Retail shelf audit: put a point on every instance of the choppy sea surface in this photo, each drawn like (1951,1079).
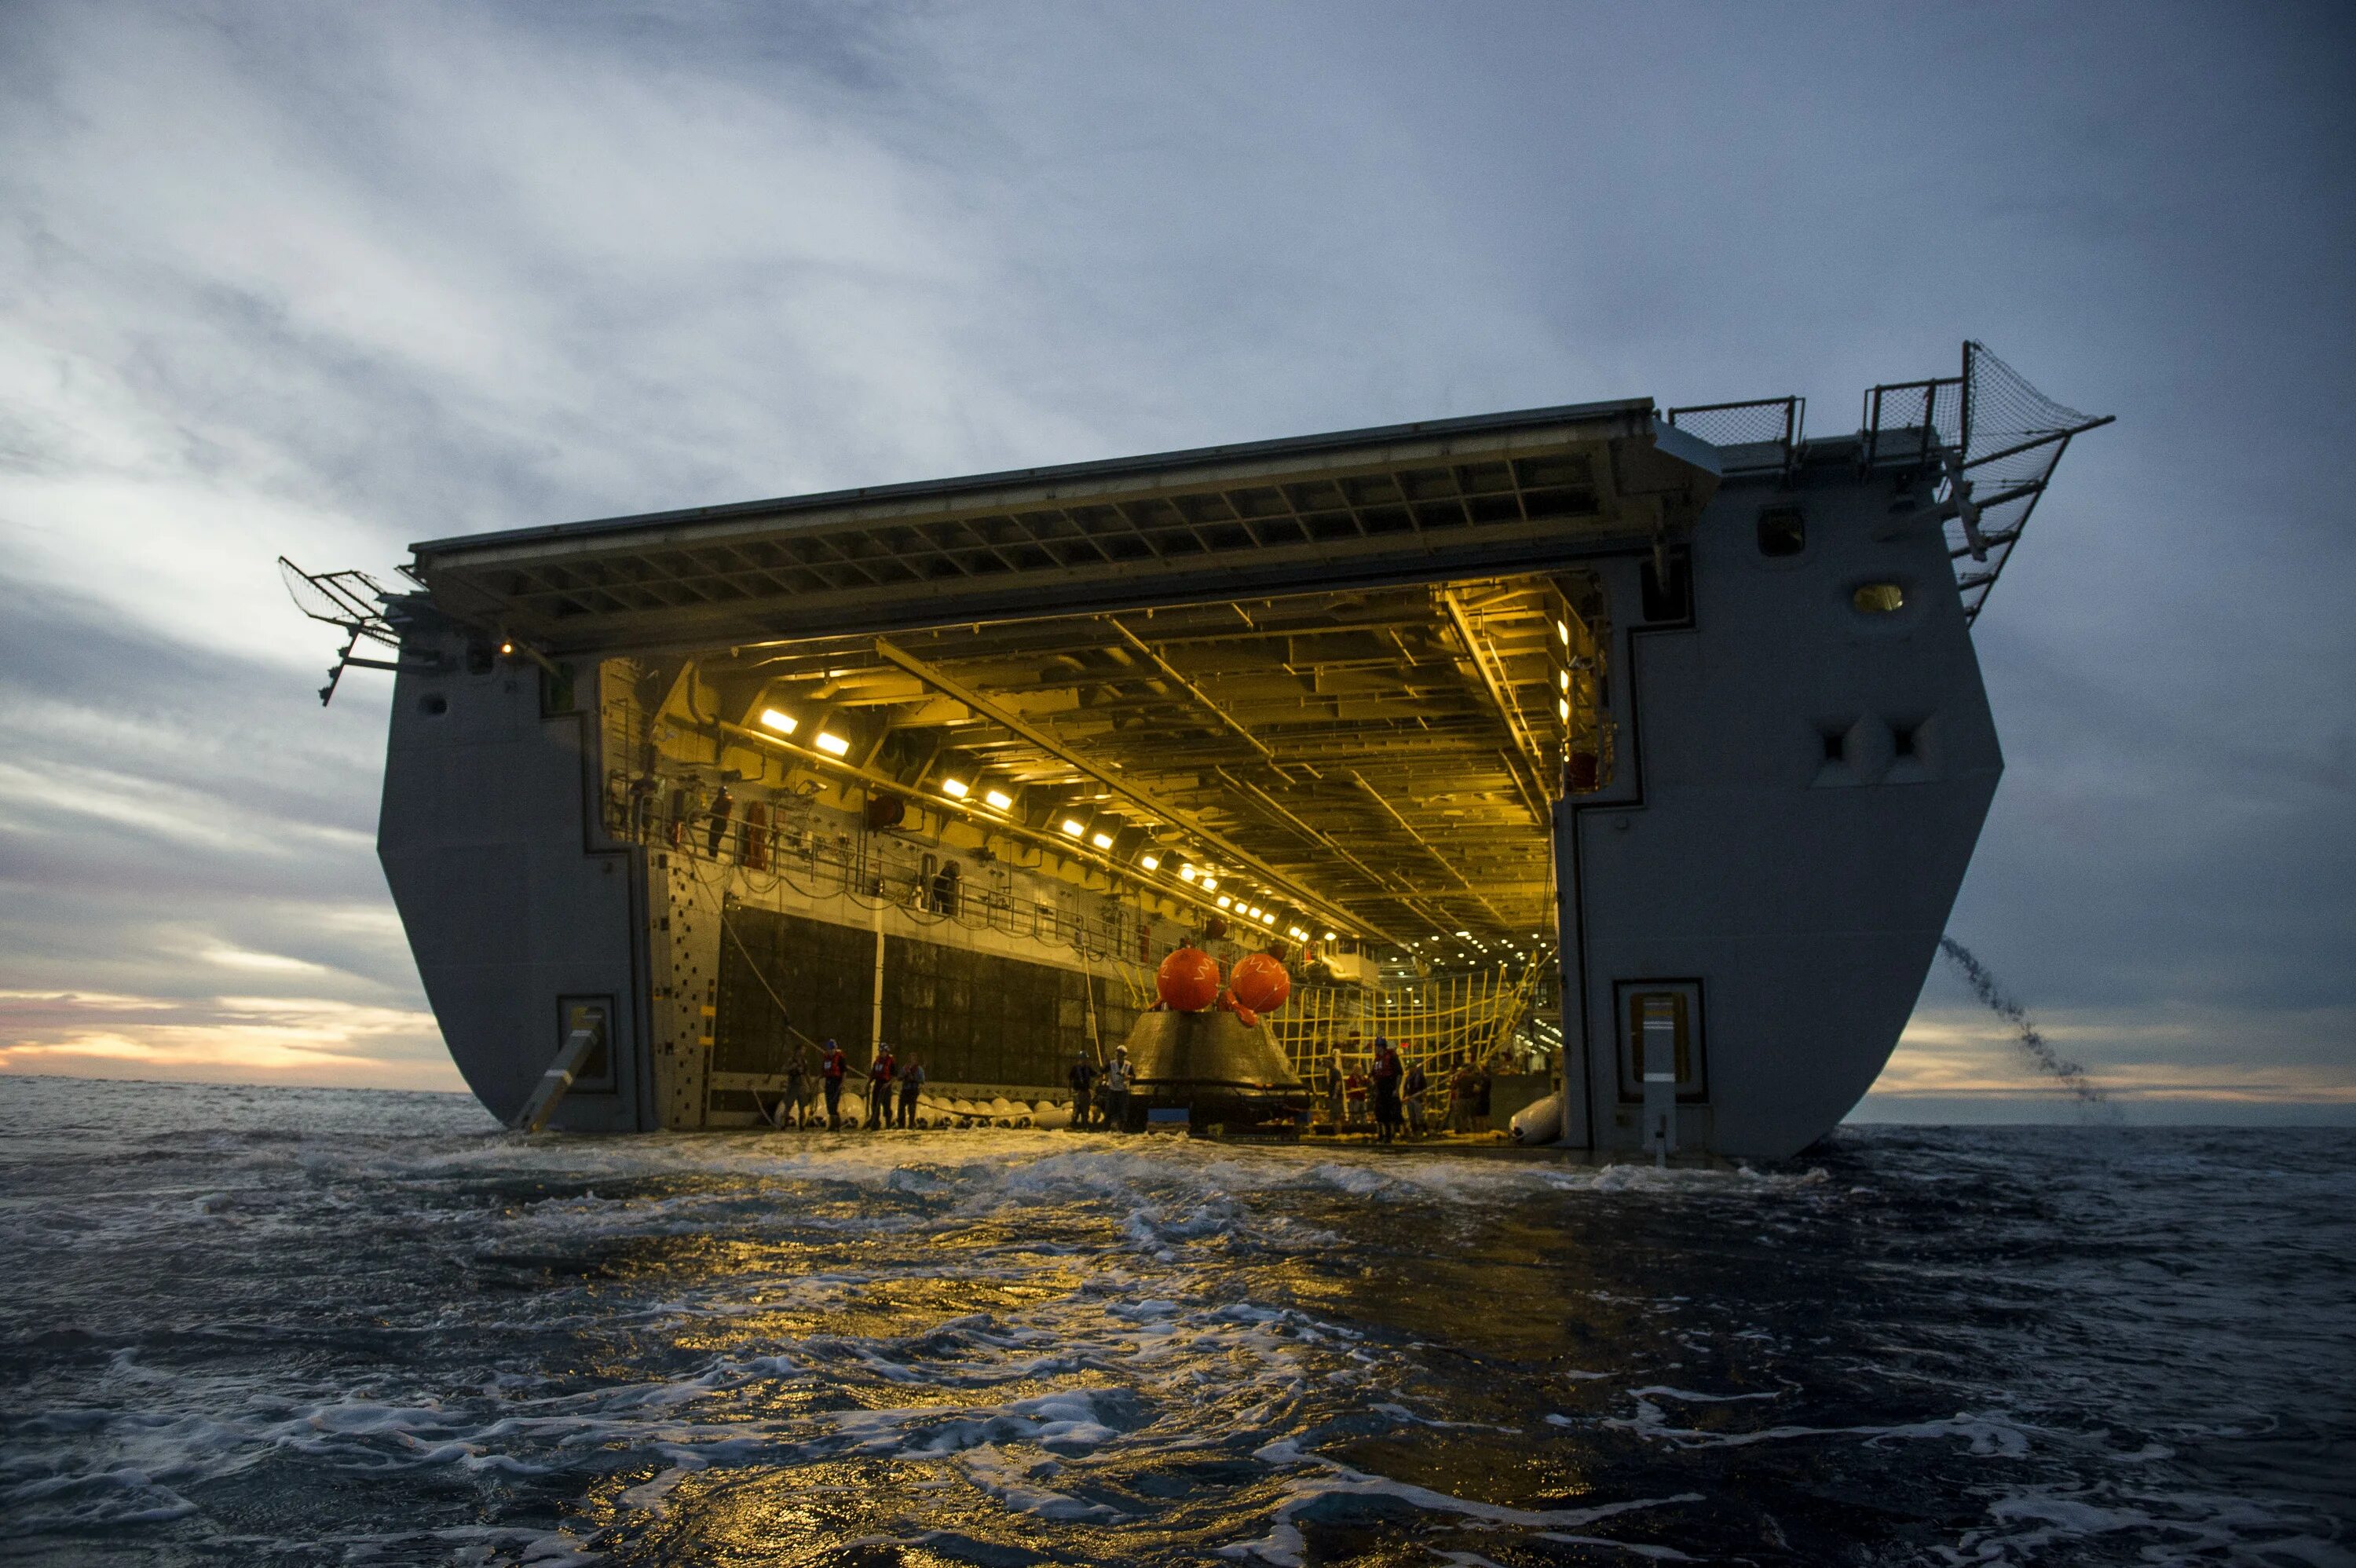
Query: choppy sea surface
(268,1326)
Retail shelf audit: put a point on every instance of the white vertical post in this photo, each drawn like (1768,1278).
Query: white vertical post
(1660,1064)
(875,1019)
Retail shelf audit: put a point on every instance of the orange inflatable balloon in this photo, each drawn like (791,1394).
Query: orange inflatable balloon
(1261,984)
(1188,980)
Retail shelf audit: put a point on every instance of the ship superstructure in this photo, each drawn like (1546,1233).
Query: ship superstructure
(1665,722)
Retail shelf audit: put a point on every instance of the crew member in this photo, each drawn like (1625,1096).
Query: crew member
(1386,1075)
(1116,1086)
(832,1065)
(1083,1080)
(797,1090)
(912,1083)
(880,1073)
(1412,1087)
(1460,1098)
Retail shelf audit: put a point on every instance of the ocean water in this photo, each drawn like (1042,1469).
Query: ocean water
(259,1326)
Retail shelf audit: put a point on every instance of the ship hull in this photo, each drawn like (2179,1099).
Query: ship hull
(1796,756)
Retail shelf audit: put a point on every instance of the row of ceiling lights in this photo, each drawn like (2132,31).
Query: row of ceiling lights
(1440,940)
(998,800)
(835,746)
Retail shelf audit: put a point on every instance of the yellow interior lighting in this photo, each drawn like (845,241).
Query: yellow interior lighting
(998,800)
(783,724)
(833,745)
(1102,840)
(1072,826)
(953,788)
(1150,862)
(1185,873)
(1225,901)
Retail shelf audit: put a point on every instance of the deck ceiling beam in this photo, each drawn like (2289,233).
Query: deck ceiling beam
(1490,683)
(1202,699)
(1007,718)
(1444,862)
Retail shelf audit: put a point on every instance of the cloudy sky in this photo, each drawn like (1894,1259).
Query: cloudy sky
(326,280)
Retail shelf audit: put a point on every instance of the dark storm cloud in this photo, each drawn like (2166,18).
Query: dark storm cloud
(329,280)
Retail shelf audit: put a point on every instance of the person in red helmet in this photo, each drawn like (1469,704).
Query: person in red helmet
(833,1066)
(880,1074)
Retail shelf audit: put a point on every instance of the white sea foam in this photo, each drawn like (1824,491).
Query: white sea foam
(1330,1483)
(1985,1433)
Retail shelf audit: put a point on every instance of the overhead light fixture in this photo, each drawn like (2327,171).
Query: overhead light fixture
(1331,937)
(1150,862)
(1073,827)
(953,788)
(783,724)
(1463,934)
(506,648)
(833,745)
(1102,840)
(1210,884)
(1562,629)
(1225,901)
(1562,706)
(1185,873)
(998,800)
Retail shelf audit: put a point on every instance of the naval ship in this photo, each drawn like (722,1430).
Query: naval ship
(1645,744)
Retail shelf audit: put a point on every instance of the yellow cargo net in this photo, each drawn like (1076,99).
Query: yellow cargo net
(1440,1022)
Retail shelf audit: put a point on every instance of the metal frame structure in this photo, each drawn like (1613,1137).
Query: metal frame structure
(1992,440)
(1423,502)
(1309,666)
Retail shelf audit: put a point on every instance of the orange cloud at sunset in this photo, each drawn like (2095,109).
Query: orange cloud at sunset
(278,1040)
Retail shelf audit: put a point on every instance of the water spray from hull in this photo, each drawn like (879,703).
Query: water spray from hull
(2026,1034)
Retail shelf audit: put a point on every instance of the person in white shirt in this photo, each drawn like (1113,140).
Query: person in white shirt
(1116,1089)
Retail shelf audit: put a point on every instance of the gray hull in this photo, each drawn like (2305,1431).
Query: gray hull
(1771,855)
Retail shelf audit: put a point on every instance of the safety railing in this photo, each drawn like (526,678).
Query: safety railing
(766,849)
(1990,442)
(1756,434)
